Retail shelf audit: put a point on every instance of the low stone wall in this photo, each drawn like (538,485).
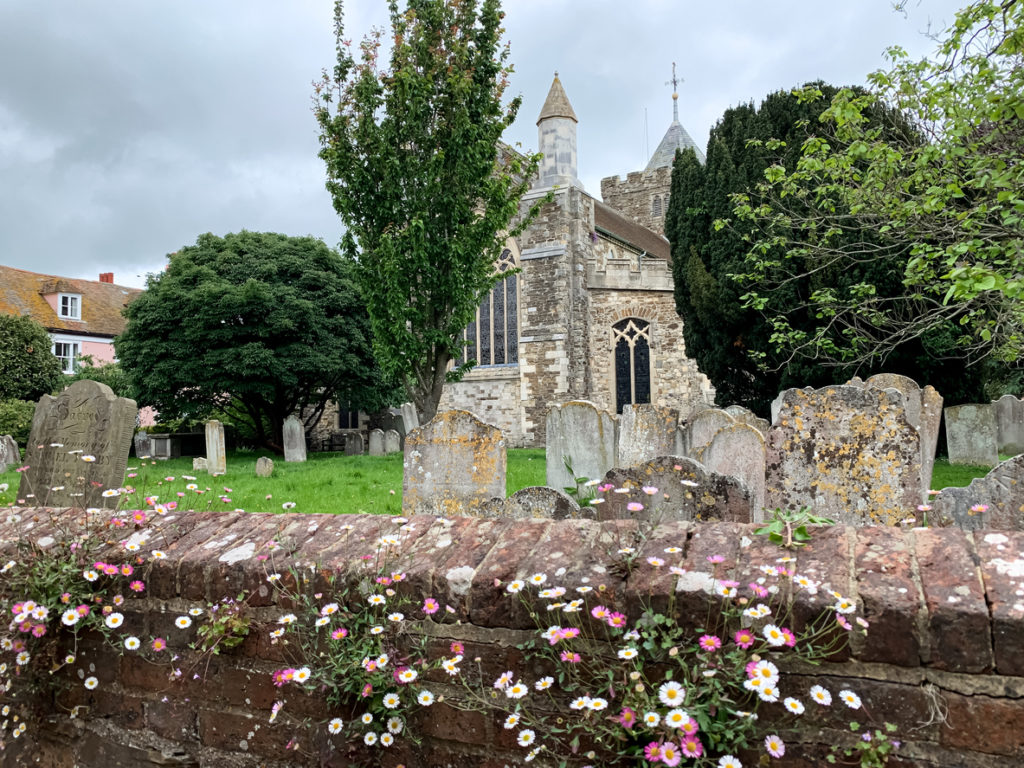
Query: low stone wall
(943,659)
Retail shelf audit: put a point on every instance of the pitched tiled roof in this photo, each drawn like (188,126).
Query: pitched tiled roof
(22,293)
(610,221)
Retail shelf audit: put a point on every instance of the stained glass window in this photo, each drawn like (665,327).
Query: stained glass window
(632,341)
(493,337)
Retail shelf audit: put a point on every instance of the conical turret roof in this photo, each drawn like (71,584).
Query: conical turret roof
(557,103)
(675,138)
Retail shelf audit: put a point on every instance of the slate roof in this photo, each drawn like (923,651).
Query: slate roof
(21,293)
(675,138)
(610,221)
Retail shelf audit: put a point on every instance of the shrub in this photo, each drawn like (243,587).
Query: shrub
(16,419)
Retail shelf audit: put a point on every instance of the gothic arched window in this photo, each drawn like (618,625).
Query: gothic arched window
(656,206)
(493,337)
(632,341)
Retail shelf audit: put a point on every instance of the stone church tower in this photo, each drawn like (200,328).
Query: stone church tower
(591,313)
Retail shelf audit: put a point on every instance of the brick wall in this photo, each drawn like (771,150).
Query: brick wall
(944,658)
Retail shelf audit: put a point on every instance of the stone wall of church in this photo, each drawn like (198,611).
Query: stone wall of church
(635,196)
(493,394)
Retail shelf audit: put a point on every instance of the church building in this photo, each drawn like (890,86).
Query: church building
(591,313)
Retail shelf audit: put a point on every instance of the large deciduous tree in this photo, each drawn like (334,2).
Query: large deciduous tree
(28,369)
(948,206)
(258,326)
(419,177)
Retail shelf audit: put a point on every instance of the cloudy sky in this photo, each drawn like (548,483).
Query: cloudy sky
(128,128)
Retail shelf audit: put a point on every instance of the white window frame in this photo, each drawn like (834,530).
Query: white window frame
(76,300)
(67,365)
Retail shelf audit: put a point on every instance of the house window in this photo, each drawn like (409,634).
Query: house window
(632,341)
(493,337)
(656,206)
(67,352)
(69,306)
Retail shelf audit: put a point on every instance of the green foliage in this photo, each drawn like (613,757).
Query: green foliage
(227,627)
(418,176)
(788,528)
(28,369)
(945,203)
(16,419)
(257,326)
(873,749)
(110,374)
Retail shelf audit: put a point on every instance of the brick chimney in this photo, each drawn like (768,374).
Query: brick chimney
(106,277)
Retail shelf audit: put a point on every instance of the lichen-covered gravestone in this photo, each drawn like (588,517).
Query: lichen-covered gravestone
(971,434)
(846,452)
(1010,425)
(294,439)
(353,443)
(673,488)
(993,501)
(698,432)
(376,442)
(392,441)
(453,464)
(9,454)
(646,431)
(738,451)
(537,501)
(264,467)
(578,431)
(216,455)
(746,416)
(84,421)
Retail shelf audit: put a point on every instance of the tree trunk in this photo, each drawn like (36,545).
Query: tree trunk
(427,394)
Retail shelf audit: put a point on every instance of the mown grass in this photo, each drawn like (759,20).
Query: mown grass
(946,475)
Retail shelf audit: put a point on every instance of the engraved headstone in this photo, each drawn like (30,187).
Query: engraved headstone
(746,416)
(1010,425)
(646,431)
(392,441)
(537,501)
(143,445)
(453,464)
(353,443)
(294,439)
(10,456)
(198,464)
(995,501)
(410,417)
(738,451)
(84,421)
(264,466)
(673,488)
(847,452)
(583,435)
(216,455)
(697,433)
(971,434)
(376,441)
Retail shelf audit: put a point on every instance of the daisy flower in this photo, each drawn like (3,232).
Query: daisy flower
(651,719)
(370,739)
(517,691)
(526,738)
(598,704)
(794,705)
(386,739)
(183,622)
(391,700)
(773,635)
(132,643)
(670,754)
(850,699)
(710,643)
(515,586)
(728,761)
(367,718)
(671,693)
(426,698)
(511,721)
(70,617)
(90,575)
(91,683)
(821,695)
(376,600)
(430,606)
(406,675)
(627,653)
(774,746)
(544,683)
(691,747)
(159,644)
(302,674)
(676,718)
(538,578)
(288,618)
(768,692)
(396,617)
(114,620)
(335,725)
(395,725)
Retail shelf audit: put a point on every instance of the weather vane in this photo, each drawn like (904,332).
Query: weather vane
(674,82)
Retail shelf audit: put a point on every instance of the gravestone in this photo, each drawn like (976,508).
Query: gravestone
(392,441)
(646,431)
(143,445)
(376,442)
(410,418)
(537,501)
(392,421)
(199,464)
(264,466)
(1010,425)
(697,433)
(847,452)
(216,456)
(10,456)
(85,420)
(453,465)
(353,443)
(971,434)
(677,488)
(738,451)
(746,416)
(578,431)
(294,439)
(995,501)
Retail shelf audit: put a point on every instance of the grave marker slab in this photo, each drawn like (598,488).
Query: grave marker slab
(264,466)
(10,456)
(353,443)
(392,441)
(697,433)
(1010,425)
(746,416)
(216,455)
(199,464)
(143,445)
(587,436)
(410,417)
(376,442)
(971,435)
(738,451)
(995,501)
(646,431)
(536,502)
(90,420)
(453,465)
(294,439)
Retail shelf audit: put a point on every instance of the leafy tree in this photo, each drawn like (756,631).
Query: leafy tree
(948,207)
(28,369)
(413,165)
(110,374)
(258,326)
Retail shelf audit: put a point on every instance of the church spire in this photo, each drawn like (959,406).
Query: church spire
(674,82)
(676,136)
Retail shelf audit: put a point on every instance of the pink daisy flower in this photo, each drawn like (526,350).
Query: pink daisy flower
(691,747)
(430,606)
(744,638)
(710,643)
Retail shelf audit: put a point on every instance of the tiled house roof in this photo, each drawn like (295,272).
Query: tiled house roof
(23,293)
(610,221)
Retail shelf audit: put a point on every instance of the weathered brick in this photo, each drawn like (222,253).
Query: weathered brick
(984,724)
(1002,568)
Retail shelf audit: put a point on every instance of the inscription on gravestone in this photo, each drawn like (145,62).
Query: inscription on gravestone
(85,420)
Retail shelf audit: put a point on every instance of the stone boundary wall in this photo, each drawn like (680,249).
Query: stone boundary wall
(944,658)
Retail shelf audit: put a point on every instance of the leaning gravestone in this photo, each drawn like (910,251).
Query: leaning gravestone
(846,452)
(646,431)
(85,420)
(673,488)
(746,416)
(971,434)
(410,417)
(585,436)
(537,501)
(9,454)
(216,456)
(392,441)
(376,442)
(264,466)
(294,439)
(993,501)
(453,465)
(353,443)
(1010,425)
(738,451)
(697,433)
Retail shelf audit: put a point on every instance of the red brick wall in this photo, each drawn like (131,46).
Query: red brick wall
(944,658)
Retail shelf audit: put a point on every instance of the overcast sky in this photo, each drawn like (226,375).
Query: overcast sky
(128,127)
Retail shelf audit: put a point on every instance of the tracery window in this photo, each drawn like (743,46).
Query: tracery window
(493,337)
(632,340)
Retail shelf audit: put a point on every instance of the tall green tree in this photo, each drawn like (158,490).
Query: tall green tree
(28,369)
(948,207)
(257,326)
(418,176)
